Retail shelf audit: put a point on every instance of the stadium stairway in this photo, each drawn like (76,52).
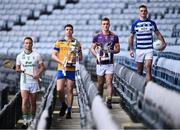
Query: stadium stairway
(119,116)
(19,123)
(61,122)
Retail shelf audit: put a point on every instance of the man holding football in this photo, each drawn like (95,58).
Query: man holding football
(144,28)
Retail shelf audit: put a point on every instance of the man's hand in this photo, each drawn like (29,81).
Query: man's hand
(131,53)
(73,58)
(36,76)
(163,47)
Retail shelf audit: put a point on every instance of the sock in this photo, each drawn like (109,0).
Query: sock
(108,99)
(25,118)
(69,109)
(31,117)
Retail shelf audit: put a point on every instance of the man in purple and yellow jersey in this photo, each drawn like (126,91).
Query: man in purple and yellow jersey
(65,53)
(143,28)
(104,45)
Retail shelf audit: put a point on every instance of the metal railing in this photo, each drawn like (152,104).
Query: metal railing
(91,103)
(11,113)
(147,101)
(162,76)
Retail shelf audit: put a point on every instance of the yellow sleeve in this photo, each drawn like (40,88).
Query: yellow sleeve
(56,46)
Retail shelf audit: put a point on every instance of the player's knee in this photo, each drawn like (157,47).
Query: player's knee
(60,91)
(69,89)
(108,84)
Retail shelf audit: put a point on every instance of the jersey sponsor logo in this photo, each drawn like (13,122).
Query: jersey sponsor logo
(144,27)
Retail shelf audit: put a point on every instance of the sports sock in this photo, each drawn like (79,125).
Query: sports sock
(69,109)
(108,99)
(25,118)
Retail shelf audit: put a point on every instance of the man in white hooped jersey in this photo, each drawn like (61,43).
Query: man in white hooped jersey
(143,28)
(29,62)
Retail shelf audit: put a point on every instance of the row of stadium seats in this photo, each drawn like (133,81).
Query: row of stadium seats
(150,101)
(85,16)
(20,11)
(115,22)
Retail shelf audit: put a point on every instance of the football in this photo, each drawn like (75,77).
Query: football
(158,45)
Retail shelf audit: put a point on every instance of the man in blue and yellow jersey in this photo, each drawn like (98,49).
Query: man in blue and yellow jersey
(65,52)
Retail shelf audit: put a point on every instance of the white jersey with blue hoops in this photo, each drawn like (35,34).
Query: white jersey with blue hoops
(144,33)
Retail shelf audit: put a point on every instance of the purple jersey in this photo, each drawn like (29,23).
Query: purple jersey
(105,44)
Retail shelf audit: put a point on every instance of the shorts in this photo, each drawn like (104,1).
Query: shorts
(104,69)
(144,54)
(30,87)
(69,75)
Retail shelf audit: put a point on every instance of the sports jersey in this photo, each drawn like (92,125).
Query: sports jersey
(29,64)
(144,33)
(67,50)
(105,43)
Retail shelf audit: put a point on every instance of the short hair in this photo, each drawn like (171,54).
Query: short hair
(105,19)
(142,6)
(29,38)
(68,25)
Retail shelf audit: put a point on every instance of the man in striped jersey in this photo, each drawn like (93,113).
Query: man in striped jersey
(143,28)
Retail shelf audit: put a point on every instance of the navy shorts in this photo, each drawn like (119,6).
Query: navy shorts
(69,75)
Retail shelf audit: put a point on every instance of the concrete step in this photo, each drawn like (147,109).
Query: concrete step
(123,120)
(62,122)
(131,125)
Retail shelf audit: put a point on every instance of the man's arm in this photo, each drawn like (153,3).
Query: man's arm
(41,68)
(18,65)
(93,49)
(130,45)
(130,42)
(116,48)
(80,56)
(55,56)
(161,38)
(18,68)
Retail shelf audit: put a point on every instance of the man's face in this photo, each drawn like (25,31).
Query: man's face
(143,12)
(28,44)
(105,25)
(68,31)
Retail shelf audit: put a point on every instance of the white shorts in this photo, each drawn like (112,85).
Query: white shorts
(30,87)
(104,69)
(144,54)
